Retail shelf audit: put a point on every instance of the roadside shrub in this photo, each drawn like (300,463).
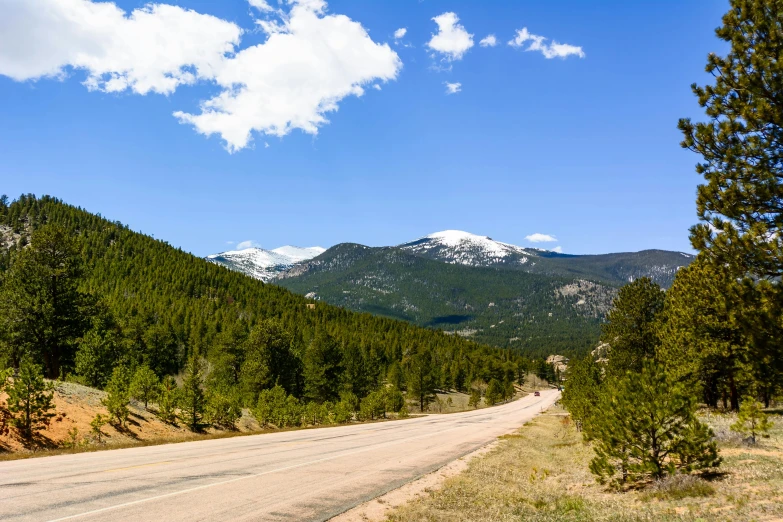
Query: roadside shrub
(752,421)
(118,395)
(224,407)
(373,406)
(678,487)
(646,426)
(167,400)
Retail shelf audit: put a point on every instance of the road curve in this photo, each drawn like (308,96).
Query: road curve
(297,475)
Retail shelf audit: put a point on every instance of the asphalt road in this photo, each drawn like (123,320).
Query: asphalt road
(297,475)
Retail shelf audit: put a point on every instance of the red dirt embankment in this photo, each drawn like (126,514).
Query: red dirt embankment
(77,405)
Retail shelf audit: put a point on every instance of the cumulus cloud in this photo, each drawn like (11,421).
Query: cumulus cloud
(558,249)
(540,238)
(400,33)
(538,43)
(489,41)
(250,243)
(155,48)
(453,88)
(309,62)
(451,40)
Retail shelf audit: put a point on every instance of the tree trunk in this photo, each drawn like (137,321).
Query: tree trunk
(734,394)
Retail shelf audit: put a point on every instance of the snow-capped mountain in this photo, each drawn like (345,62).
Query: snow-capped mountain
(464,248)
(265,264)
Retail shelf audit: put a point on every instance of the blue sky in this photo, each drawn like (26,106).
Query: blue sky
(585,149)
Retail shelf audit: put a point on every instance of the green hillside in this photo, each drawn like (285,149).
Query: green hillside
(161,304)
(619,268)
(534,314)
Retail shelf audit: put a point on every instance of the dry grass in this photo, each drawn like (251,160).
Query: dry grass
(540,474)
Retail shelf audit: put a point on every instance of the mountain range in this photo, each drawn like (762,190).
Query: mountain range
(535,300)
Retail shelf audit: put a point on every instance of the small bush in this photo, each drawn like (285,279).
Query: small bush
(677,487)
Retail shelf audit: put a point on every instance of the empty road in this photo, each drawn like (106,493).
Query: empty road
(297,475)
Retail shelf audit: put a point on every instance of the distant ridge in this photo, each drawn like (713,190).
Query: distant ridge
(537,301)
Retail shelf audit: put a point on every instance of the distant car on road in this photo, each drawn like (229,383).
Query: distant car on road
(536,394)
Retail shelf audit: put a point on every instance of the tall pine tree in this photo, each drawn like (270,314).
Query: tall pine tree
(42,311)
(323,367)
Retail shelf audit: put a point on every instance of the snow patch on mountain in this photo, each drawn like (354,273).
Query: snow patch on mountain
(459,247)
(297,254)
(264,264)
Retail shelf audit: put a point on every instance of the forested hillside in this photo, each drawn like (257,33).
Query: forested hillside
(534,314)
(84,297)
(464,248)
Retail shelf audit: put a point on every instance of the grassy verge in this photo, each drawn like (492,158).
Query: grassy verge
(540,474)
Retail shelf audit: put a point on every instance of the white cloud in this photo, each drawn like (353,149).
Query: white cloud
(153,49)
(540,238)
(453,88)
(537,43)
(266,144)
(376,86)
(309,62)
(558,249)
(451,40)
(400,33)
(250,243)
(489,41)
(261,5)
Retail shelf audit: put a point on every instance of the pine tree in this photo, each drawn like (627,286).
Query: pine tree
(268,360)
(167,400)
(702,337)
(392,399)
(223,405)
(632,325)
(42,311)
(97,424)
(741,202)
(145,385)
(322,369)
(647,426)
(271,404)
(191,398)
(373,406)
(419,376)
(752,421)
(30,400)
(355,377)
(394,375)
(227,354)
(118,395)
(582,388)
(5,415)
(475,398)
(99,350)
(494,392)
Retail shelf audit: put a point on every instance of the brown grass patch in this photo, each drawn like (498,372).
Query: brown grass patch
(540,473)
